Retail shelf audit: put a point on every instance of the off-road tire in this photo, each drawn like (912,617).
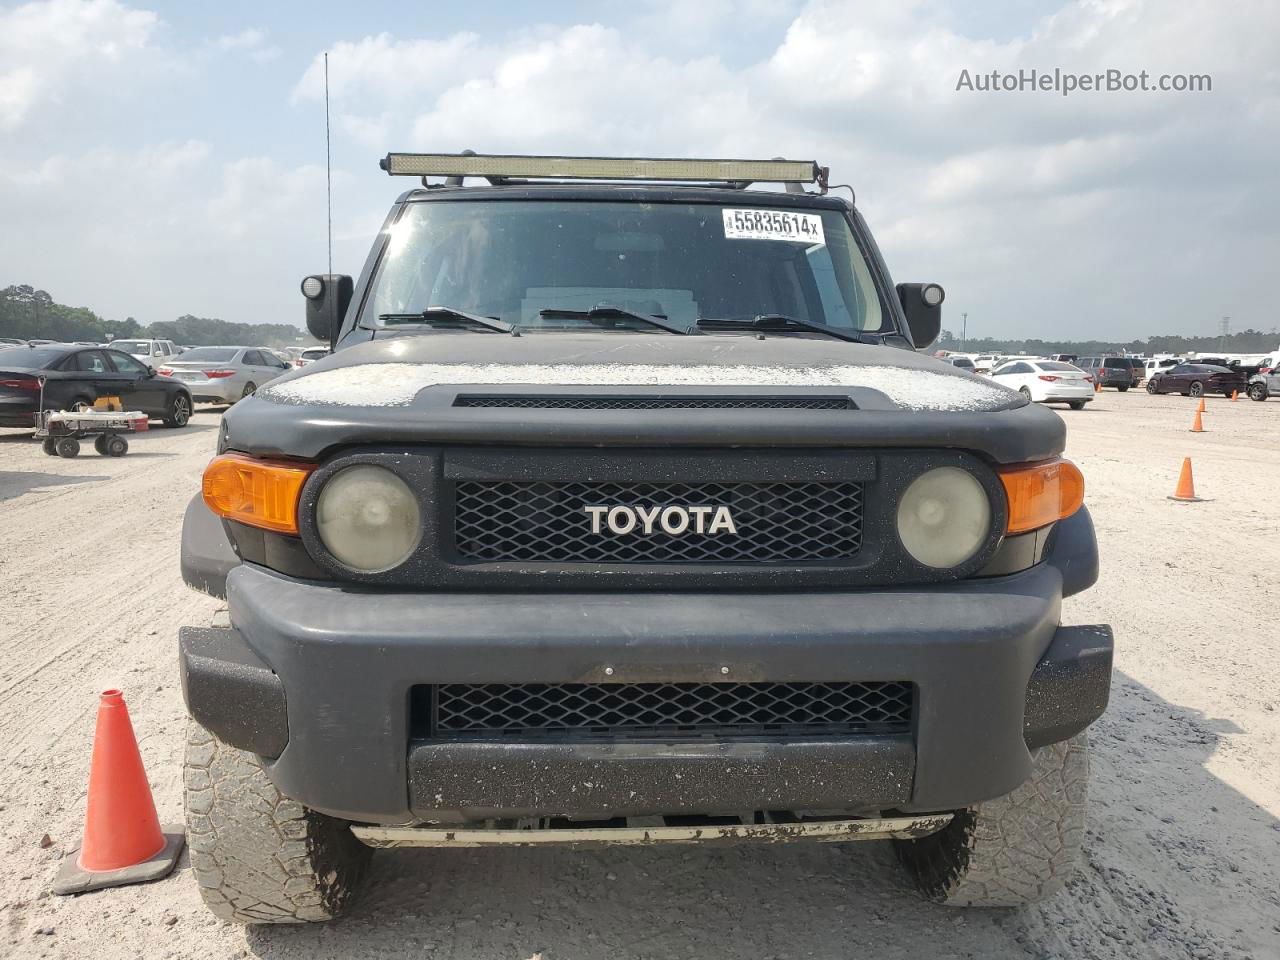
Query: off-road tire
(67,447)
(1122,389)
(1076,404)
(100,444)
(257,856)
(1017,849)
(50,446)
(1257,391)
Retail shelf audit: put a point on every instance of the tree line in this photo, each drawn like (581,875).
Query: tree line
(1242,341)
(29,314)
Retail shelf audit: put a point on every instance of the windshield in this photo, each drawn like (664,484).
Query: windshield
(513,259)
(132,346)
(210,355)
(28,358)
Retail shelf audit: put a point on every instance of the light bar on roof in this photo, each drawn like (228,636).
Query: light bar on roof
(598,168)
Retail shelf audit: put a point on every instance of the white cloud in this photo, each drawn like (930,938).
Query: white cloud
(48,49)
(252,42)
(1012,199)
(1091,214)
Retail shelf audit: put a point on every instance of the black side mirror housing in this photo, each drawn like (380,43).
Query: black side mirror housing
(328,295)
(922,304)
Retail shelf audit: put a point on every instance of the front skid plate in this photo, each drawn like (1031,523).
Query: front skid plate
(536,835)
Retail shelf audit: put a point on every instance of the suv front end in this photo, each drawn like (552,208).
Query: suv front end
(629,575)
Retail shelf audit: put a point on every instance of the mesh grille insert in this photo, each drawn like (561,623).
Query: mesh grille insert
(531,710)
(657,403)
(540,522)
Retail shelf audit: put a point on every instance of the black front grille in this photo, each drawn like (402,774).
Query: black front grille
(540,522)
(676,710)
(656,403)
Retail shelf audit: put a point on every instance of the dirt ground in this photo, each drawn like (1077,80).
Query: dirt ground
(1182,859)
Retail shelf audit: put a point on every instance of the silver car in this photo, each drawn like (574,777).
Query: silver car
(224,374)
(1264,385)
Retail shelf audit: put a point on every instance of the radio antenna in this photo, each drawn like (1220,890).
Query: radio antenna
(328,167)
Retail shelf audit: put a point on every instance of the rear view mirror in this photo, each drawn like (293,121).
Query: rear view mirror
(922,304)
(327,295)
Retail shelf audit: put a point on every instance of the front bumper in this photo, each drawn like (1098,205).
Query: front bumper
(317,679)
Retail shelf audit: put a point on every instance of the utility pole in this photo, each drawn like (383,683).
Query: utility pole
(964,330)
(1223,326)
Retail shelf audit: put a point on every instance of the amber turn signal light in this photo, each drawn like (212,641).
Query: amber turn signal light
(257,492)
(1041,493)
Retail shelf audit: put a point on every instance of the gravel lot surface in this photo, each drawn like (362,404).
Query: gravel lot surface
(1182,859)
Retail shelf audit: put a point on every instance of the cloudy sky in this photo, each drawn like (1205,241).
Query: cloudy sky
(167,158)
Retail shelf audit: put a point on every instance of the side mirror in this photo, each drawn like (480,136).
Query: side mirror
(922,303)
(328,295)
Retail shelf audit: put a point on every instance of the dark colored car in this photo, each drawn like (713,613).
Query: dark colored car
(76,376)
(1119,372)
(632,513)
(962,363)
(1197,379)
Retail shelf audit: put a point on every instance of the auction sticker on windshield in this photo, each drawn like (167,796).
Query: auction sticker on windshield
(772,225)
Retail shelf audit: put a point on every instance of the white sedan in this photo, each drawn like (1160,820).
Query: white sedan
(1047,381)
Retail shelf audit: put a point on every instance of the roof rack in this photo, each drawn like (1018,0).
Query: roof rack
(515,168)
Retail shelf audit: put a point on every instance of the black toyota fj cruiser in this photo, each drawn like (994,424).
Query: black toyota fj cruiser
(625,511)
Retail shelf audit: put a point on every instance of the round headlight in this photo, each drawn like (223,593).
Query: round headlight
(368,518)
(944,517)
(312,287)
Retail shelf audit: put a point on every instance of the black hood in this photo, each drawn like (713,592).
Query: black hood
(417,388)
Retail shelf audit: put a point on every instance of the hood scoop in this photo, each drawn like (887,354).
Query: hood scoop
(603,402)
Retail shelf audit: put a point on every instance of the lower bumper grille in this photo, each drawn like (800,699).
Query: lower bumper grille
(669,710)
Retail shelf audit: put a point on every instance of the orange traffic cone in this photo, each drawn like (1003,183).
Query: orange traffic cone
(1097,387)
(1196,425)
(1200,409)
(1186,489)
(1235,395)
(123,842)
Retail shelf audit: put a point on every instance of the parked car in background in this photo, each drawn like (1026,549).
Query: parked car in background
(1153,366)
(151,352)
(224,374)
(963,363)
(984,362)
(1197,379)
(1265,384)
(1115,372)
(1047,381)
(1064,357)
(39,343)
(76,376)
(12,342)
(312,354)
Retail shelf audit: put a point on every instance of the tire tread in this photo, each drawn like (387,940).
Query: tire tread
(257,856)
(1017,849)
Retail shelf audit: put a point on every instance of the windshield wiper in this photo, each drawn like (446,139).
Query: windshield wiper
(780,321)
(607,311)
(445,316)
